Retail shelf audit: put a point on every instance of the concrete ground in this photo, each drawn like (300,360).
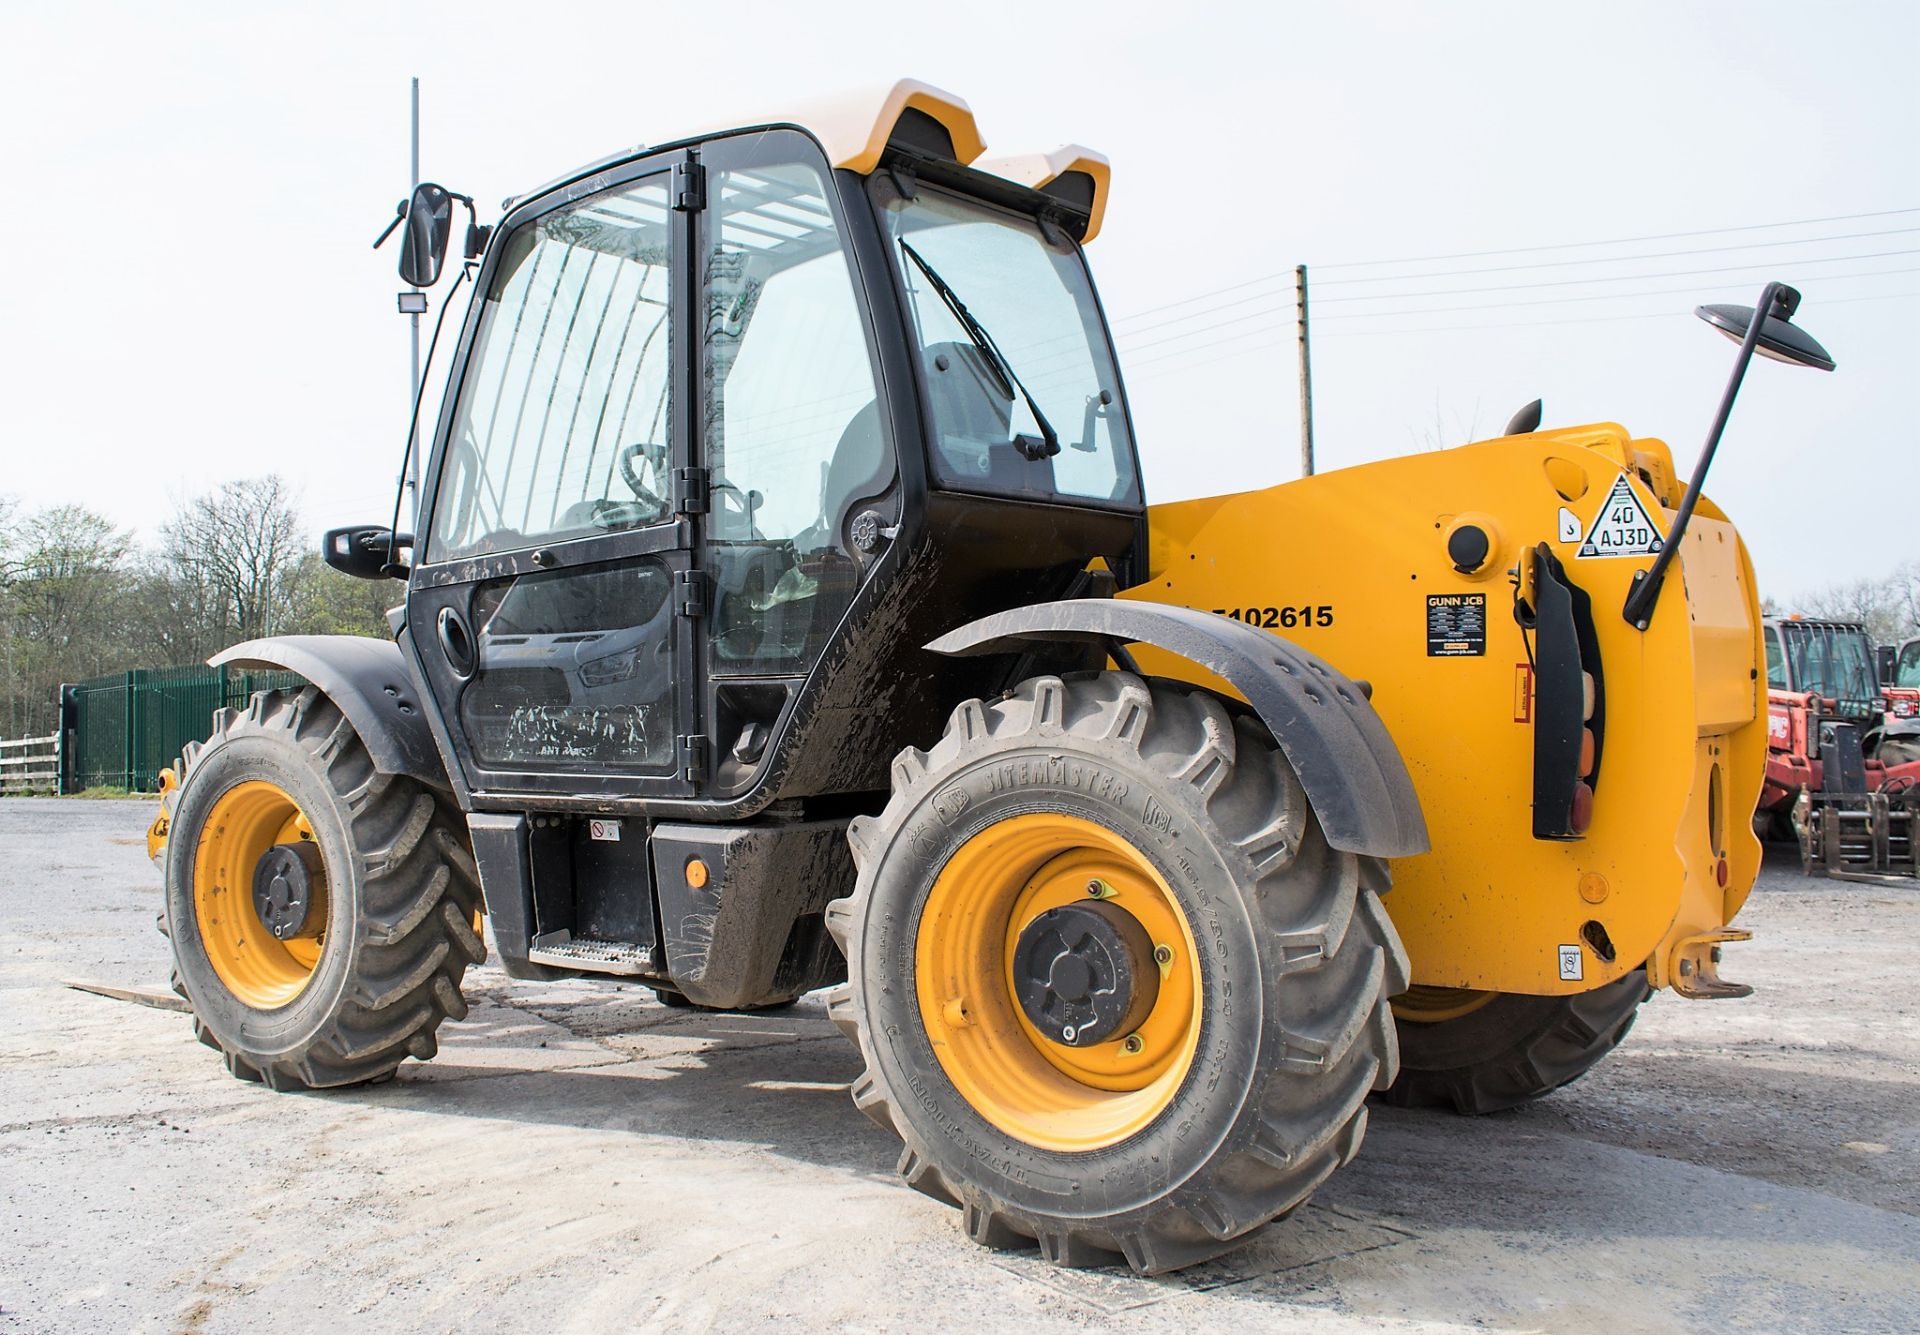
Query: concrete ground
(580,1158)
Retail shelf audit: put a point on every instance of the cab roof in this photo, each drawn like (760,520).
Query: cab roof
(856,129)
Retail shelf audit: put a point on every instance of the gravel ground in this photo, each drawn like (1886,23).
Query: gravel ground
(580,1158)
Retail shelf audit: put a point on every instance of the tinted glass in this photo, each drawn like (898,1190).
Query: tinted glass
(1907,673)
(1032,297)
(575,670)
(563,417)
(790,424)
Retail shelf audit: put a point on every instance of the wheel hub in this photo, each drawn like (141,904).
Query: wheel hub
(287,880)
(1084,973)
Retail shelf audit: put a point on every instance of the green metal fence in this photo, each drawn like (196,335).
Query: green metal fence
(124,728)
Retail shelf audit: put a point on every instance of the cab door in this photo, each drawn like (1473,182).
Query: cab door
(553,613)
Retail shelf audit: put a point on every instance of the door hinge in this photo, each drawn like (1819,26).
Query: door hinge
(689,187)
(690,488)
(693,757)
(690,593)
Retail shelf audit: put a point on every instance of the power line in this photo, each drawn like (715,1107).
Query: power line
(1592,319)
(1510,287)
(1518,250)
(1622,259)
(1276,313)
(1618,240)
(1131,365)
(1637,277)
(1591,296)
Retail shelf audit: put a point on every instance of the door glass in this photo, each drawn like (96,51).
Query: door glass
(562,424)
(791,428)
(575,670)
(1776,661)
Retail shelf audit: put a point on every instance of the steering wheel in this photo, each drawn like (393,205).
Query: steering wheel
(631,476)
(740,508)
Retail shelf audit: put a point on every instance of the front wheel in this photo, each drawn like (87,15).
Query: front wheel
(322,914)
(1113,989)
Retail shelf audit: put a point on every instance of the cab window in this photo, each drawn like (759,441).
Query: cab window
(562,427)
(1907,671)
(790,424)
(1776,662)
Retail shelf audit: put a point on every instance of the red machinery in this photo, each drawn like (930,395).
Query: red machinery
(1843,750)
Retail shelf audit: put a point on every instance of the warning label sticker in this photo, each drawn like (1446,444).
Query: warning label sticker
(1622,528)
(1456,625)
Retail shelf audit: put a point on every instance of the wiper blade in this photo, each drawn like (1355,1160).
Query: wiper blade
(1003,372)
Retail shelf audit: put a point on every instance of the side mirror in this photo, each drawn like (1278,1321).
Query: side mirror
(1883,655)
(423,246)
(1778,340)
(367,551)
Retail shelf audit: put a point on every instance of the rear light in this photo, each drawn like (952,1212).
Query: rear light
(1587,749)
(1581,815)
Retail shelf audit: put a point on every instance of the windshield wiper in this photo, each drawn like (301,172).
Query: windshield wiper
(1003,372)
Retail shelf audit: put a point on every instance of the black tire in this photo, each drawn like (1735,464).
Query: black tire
(1275,1097)
(1513,1049)
(399,876)
(679,1001)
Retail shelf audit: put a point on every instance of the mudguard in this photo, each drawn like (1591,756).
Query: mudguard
(369,682)
(1336,743)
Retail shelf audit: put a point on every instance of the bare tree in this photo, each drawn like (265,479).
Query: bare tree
(1889,607)
(237,544)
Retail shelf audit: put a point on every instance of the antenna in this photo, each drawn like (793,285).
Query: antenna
(414,302)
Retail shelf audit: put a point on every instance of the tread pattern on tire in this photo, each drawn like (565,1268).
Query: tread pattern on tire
(1335,948)
(1552,1042)
(418,893)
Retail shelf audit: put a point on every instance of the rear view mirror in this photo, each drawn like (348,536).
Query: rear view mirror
(367,551)
(1778,339)
(423,245)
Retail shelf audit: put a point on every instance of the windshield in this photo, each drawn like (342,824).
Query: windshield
(1830,661)
(1031,300)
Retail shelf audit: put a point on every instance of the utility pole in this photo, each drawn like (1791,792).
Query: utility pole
(413,456)
(1306,375)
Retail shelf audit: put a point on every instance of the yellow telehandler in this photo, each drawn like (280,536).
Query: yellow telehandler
(785,612)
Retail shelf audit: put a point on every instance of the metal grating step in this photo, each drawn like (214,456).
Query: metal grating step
(563,950)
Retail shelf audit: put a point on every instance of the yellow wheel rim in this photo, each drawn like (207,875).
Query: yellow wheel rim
(1432,1005)
(260,970)
(1038,1090)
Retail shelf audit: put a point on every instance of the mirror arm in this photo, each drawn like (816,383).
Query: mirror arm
(399,216)
(1638,609)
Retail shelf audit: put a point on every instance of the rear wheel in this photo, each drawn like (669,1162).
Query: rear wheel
(1112,987)
(1480,1052)
(322,914)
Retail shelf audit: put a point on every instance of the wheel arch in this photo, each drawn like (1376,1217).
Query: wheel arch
(1346,760)
(368,681)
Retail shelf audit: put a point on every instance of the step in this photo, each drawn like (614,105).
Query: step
(564,950)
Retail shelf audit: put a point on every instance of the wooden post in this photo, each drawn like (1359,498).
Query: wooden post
(1306,375)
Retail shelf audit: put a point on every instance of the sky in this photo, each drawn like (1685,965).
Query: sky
(194,191)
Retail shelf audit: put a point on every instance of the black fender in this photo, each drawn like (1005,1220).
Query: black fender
(1329,732)
(368,681)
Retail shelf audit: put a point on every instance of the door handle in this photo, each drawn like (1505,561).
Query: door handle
(456,642)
